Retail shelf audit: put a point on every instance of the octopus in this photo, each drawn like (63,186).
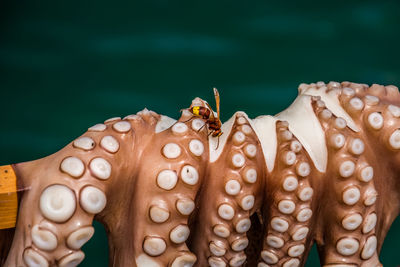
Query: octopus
(323,171)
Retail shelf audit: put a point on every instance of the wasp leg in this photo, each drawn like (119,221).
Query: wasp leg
(189,119)
(202,127)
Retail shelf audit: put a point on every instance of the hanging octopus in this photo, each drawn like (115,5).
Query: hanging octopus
(169,196)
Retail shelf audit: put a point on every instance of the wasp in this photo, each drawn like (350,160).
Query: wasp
(207,114)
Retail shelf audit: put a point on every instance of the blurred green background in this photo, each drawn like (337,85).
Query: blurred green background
(66,65)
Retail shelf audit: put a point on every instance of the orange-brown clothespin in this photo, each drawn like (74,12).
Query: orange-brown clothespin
(8,197)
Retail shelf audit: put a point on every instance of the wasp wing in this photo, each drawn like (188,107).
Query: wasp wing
(216,95)
(211,111)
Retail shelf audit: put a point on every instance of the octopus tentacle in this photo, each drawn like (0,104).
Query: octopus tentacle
(175,185)
(378,118)
(220,240)
(348,231)
(289,218)
(71,188)
(157,219)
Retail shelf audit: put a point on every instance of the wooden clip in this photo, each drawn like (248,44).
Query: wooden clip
(8,197)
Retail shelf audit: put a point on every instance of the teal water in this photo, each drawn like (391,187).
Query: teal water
(65,66)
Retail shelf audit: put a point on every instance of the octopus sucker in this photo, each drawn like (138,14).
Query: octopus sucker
(171,150)
(33,258)
(92,199)
(100,127)
(109,143)
(355,105)
(185,206)
(170,194)
(158,214)
(100,168)
(73,259)
(84,143)
(375,120)
(185,260)
(113,119)
(78,238)
(43,238)
(57,203)
(352,221)
(72,166)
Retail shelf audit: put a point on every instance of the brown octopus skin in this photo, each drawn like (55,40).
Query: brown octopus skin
(162,201)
